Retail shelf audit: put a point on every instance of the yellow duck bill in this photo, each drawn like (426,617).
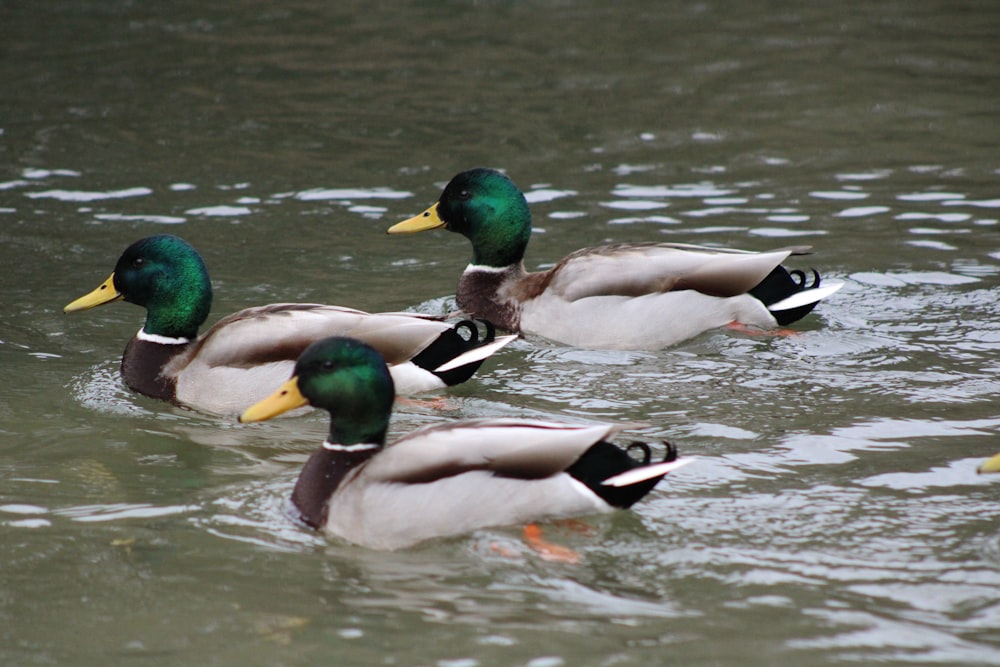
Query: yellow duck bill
(287,397)
(105,293)
(429,219)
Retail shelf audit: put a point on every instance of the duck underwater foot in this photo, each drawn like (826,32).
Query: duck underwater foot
(739,327)
(546,550)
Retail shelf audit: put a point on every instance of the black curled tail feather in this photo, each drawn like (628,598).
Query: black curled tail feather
(473,331)
(781,284)
(462,337)
(647,454)
(605,460)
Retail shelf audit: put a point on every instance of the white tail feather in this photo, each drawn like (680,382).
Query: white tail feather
(636,475)
(808,296)
(476,354)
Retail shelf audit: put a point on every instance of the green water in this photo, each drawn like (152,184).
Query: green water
(834,514)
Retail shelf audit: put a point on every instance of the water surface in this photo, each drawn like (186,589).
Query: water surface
(834,513)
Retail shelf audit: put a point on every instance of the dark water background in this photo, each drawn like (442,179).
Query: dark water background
(834,514)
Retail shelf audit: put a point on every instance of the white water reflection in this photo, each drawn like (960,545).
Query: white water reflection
(861,211)
(156,219)
(538,195)
(350,194)
(655,219)
(778,232)
(935,231)
(39,173)
(634,205)
(932,245)
(865,176)
(566,215)
(221,210)
(839,194)
(982,203)
(929,196)
(694,190)
(941,217)
(122,512)
(84,196)
(901,279)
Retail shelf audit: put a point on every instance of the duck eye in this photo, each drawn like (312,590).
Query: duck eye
(327,365)
(139,261)
(464,194)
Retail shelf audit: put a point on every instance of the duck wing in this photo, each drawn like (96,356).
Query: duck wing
(248,354)
(515,448)
(636,269)
(281,331)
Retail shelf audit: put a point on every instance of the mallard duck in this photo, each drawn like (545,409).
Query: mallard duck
(444,479)
(991,464)
(626,296)
(247,354)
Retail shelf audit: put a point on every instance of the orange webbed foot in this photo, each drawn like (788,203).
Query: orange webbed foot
(548,550)
(739,327)
(439,403)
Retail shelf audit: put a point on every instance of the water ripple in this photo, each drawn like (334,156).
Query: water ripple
(102,389)
(122,511)
(84,196)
